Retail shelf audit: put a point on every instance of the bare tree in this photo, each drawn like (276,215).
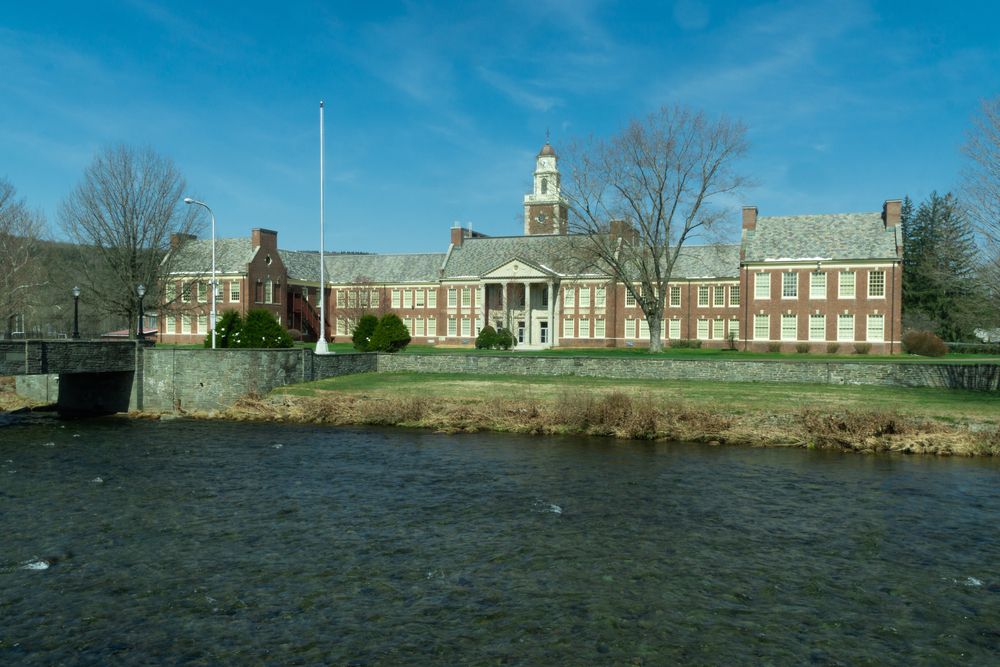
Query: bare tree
(21,232)
(639,196)
(122,215)
(982,188)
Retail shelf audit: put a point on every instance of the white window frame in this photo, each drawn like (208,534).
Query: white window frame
(719,296)
(629,298)
(202,291)
(789,285)
(702,329)
(848,289)
(585,297)
(675,296)
(761,327)
(817,285)
(568,331)
(762,285)
(875,334)
(817,327)
(466,297)
(845,333)
(420,327)
(600,297)
(718,329)
(169,324)
(452,327)
(733,327)
(432,298)
(185,324)
(703,296)
(234,291)
(432,326)
(876,280)
(419,298)
(600,329)
(734,296)
(466,327)
(789,327)
(397,298)
(674,329)
(583,327)
(569,297)
(643,330)
(408,299)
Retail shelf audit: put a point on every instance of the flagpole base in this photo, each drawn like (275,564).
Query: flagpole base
(321,347)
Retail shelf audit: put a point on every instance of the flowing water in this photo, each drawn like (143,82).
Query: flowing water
(136,542)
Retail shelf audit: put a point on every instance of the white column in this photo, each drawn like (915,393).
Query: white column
(527,313)
(482,304)
(553,297)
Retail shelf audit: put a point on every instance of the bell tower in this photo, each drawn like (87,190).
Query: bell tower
(545,211)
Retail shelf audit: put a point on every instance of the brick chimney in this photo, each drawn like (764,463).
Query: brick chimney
(750,217)
(177,239)
(622,229)
(457,235)
(264,238)
(892,212)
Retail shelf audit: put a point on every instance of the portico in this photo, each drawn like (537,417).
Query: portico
(520,296)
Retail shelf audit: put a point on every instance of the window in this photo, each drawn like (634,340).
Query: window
(567,328)
(419,297)
(408,323)
(702,296)
(202,292)
(432,298)
(452,297)
(569,297)
(789,285)
(847,284)
(762,286)
(584,325)
(599,330)
(675,329)
(545,186)
(234,291)
(600,298)
(761,327)
(186,292)
(341,299)
(631,328)
(629,297)
(373,298)
(352,299)
(876,328)
(789,327)
(432,326)
(169,324)
(203,323)
(341,326)
(408,298)
(817,327)
(643,329)
(817,285)
(396,298)
(718,328)
(734,295)
(675,296)
(720,296)
(702,329)
(733,329)
(170,291)
(545,296)
(876,284)
(258,292)
(268,290)
(419,329)
(452,326)
(466,326)
(466,297)
(585,297)
(185,324)
(845,327)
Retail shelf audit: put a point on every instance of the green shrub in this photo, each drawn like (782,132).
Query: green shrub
(362,335)
(390,335)
(262,329)
(487,338)
(227,330)
(774,347)
(505,339)
(862,348)
(685,344)
(832,348)
(924,343)
(802,348)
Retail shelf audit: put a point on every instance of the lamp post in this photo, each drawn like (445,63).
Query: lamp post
(76,312)
(188,200)
(141,290)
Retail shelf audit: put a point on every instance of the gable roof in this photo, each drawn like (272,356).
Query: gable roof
(405,268)
(195,256)
(809,237)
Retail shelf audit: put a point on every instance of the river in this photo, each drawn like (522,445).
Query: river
(182,542)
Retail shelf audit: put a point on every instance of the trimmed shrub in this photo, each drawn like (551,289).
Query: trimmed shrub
(227,330)
(390,335)
(774,347)
(862,348)
(924,343)
(832,348)
(362,334)
(262,329)
(505,339)
(295,334)
(684,344)
(487,338)
(802,348)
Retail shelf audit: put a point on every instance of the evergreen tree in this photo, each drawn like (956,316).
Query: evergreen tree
(227,330)
(363,332)
(487,338)
(941,261)
(390,335)
(262,329)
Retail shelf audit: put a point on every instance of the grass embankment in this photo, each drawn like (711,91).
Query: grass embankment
(859,418)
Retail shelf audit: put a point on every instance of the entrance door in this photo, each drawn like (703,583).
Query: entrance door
(543,332)
(520,331)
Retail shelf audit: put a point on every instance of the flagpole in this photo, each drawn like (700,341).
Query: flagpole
(321,346)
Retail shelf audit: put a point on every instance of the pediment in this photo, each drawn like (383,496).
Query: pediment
(518,268)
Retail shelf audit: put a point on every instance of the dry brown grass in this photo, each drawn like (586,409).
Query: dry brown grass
(621,415)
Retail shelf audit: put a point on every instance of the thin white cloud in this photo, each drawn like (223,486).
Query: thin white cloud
(518,92)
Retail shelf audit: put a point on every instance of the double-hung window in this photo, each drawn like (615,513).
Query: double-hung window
(762,286)
(789,285)
(876,284)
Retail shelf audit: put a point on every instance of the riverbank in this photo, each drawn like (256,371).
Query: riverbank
(862,419)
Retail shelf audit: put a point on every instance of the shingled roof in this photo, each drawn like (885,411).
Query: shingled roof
(405,268)
(811,237)
(195,256)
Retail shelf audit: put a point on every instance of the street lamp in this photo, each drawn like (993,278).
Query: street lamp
(76,312)
(188,200)
(141,290)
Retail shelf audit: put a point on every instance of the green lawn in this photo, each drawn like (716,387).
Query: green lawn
(738,397)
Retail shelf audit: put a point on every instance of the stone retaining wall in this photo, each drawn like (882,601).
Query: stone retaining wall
(984,377)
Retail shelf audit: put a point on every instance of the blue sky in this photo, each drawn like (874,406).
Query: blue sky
(435,111)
